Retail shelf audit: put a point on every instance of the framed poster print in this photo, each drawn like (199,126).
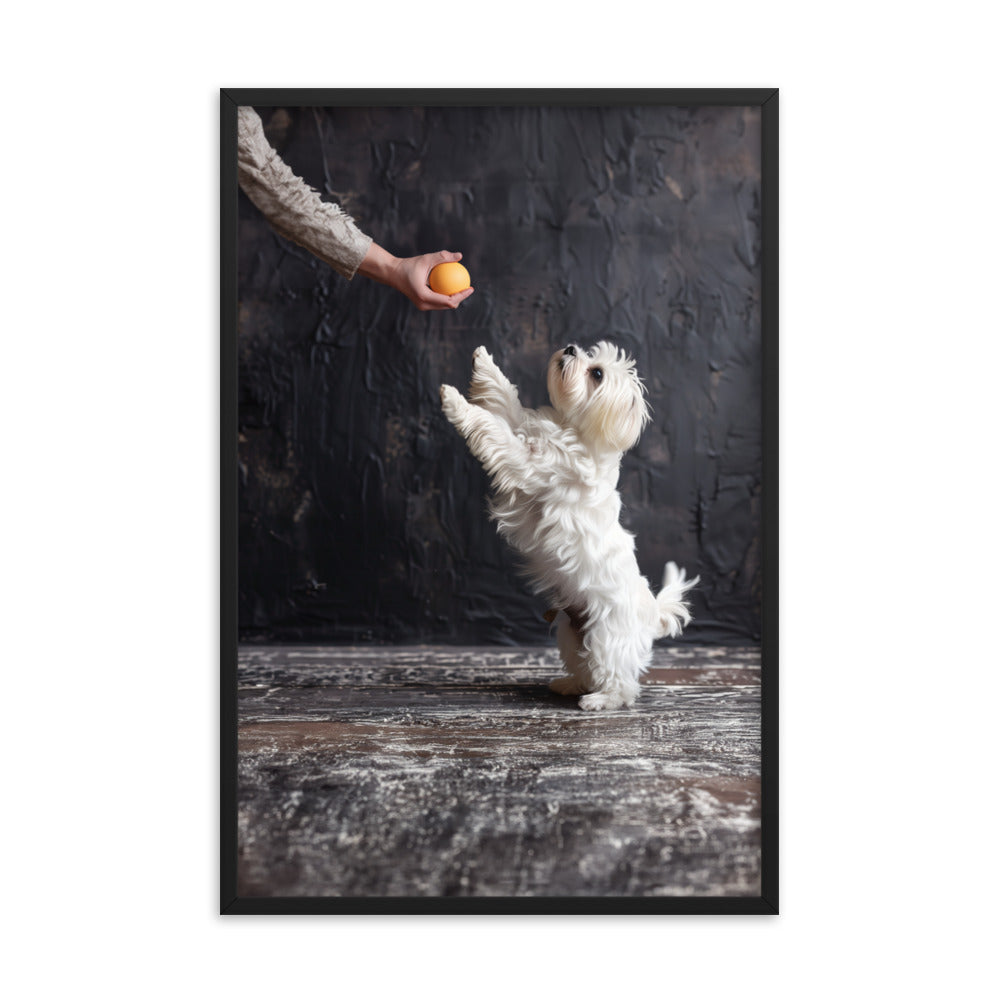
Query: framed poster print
(409,722)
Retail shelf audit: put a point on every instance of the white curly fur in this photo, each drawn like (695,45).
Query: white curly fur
(554,473)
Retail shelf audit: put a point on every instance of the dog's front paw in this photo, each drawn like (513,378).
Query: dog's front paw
(484,369)
(452,402)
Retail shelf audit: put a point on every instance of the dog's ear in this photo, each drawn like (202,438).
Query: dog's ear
(634,416)
(620,413)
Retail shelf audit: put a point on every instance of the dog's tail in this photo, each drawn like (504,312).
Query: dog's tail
(674,612)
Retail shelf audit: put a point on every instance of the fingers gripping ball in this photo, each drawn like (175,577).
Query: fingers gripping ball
(449,278)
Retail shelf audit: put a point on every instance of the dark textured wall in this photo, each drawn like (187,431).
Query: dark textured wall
(361,510)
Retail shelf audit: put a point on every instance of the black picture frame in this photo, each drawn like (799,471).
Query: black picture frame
(230,902)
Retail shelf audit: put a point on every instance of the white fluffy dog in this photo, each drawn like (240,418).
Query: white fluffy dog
(554,474)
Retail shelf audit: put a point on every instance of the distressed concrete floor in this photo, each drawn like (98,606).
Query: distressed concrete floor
(443,771)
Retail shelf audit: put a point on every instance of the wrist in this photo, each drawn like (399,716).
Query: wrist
(379,265)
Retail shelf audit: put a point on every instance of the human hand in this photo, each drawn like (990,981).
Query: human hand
(408,275)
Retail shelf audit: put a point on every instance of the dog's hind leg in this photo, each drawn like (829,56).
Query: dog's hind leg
(615,659)
(570,643)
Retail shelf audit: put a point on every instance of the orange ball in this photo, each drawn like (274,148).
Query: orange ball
(449,278)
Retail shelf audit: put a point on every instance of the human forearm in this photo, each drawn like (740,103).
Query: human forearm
(293,208)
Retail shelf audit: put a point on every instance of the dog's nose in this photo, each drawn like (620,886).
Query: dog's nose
(571,350)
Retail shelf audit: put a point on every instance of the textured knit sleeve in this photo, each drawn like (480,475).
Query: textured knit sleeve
(293,208)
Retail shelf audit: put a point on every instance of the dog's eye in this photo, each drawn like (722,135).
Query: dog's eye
(597,374)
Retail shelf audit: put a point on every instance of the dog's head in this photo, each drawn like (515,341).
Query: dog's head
(599,393)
